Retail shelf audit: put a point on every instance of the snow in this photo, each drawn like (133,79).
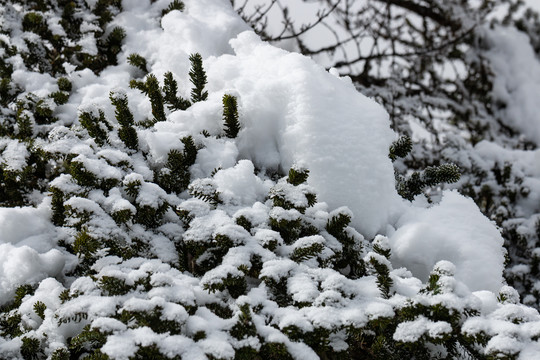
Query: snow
(99,168)
(88,44)
(22,265)
(18,230)
(292,113)
(217,153)
(239,185)
(285,121)
(411,331)
(375,310)
(452,230)
(265,237)
(39,84)
(283,111)
(517,79)
(14,155)
(280,214)
(525,164)
(124,345)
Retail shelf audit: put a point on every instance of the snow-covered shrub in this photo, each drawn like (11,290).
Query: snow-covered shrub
(150,226)
(459,77)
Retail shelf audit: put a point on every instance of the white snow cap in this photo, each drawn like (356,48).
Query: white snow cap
(22,265)
(517,79)
(454,230)
(294,111)
(27,226)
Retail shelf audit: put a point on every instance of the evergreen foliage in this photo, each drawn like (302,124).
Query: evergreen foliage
(112,44)
(124,117)
(197,76)
(57,205)
(175,5)
(96,125)
(30,349)
(175,176)
(230,116)
(297,176)
(408,188)
(351,249)
(170,88)
(139,62)
(267,276)
(25,128)
(16,184)
(61,96)
(64,84)
(151,88)
(205,189)
(417,182)
(400,148)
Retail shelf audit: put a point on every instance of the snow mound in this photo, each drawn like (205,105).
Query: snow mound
(454,230)
(517,80)
(294,112)
(22,265)
(27,226)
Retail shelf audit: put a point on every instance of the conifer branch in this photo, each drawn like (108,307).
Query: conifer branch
(304,253)
(24,124)
(297,176)
(64,84)
(175,176)
(190,150)
(43,114)
(139,62)
(127,132)
(230,116)
(57,205)
(170,88)
(383,279)
(205,189)
(197,76)
(113,44)
(151,88)
(175,5)
(431,176)
(95,125)
(400,148)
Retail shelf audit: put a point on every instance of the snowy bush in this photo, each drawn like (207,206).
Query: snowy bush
(170,194)
(458,78)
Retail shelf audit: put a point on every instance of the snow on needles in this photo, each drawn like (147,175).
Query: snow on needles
(293,111)
(517,82)
(292,114)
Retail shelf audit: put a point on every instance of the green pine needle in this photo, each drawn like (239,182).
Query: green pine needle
(139,62)
(197,76)
(175,5)
(230,116)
